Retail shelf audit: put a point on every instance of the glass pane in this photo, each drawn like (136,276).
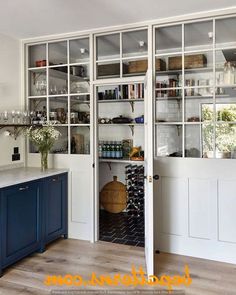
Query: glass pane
(80,140)
(169,140)
(108,47)
(225,67)
(207,140)
(119,92)
(225,140)
(134,43)
(58,81)
(37,56)
(135,67)
(169,39)
(79,111)
(198,36)
(37,83)
(60,146)
(199,69)
(199,105)
(108,70)
(168,110)
(79,50)
(79,79)
(169,72)
(58,108)
(226,32)
(193,143)
(37,109)
(57,53)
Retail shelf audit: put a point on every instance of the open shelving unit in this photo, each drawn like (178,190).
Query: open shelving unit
(62,86)
(190,88)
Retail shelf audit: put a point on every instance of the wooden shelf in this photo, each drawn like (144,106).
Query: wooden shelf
(130,100)
(122,161)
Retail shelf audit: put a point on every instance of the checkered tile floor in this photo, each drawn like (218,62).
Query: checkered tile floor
(121,228)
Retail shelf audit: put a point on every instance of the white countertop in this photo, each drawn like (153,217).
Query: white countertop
(19,175)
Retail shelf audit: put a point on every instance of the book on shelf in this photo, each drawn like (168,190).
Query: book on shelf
(133,91)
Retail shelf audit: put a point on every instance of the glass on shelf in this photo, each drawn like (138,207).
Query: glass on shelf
(58,109)
(134,43)
(168,39)
(193,141)
(225,32)
(79,50)
(226,67)
(108,69)
(169,140)
(108,47)
(169,110)
(57,53)
(225,140)
(58,80)
(198,36)
(80,140)
(37,83)
(198,69)
(37,56)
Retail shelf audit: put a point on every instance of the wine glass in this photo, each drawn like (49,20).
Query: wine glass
(13,115)
(5,116)
(18,115)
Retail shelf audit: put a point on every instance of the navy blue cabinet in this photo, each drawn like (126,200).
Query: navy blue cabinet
(55,207)
(32,214)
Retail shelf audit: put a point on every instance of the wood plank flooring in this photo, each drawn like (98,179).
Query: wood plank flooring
(80,257)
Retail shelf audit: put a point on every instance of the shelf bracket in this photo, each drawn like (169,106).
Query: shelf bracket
(132,105)
(178,129)
(132,129)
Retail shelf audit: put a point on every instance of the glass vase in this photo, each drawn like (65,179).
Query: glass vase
(44,160)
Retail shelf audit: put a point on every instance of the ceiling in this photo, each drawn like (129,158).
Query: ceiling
(32,18)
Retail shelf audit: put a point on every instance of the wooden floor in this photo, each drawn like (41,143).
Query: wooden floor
(79,257)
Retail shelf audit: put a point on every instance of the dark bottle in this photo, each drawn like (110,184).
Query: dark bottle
(73,145)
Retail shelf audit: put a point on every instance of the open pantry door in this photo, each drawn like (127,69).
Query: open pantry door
(149,218)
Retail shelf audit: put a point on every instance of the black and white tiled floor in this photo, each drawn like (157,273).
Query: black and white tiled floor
(121,228)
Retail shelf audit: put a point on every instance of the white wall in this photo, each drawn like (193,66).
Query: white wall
(10,94)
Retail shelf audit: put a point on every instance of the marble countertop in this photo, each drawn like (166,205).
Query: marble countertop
(24,174)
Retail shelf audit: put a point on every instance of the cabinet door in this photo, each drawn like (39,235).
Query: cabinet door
(55,206)
(20,221)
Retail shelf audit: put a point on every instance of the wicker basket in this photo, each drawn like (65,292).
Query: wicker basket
(113,196)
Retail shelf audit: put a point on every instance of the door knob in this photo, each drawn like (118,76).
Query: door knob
(156,177)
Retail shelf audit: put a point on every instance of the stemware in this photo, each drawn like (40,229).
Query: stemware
(5,116)
(13,115)
(18,115)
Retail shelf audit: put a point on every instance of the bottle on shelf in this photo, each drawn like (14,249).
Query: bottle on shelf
(73,145)
(100,149)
